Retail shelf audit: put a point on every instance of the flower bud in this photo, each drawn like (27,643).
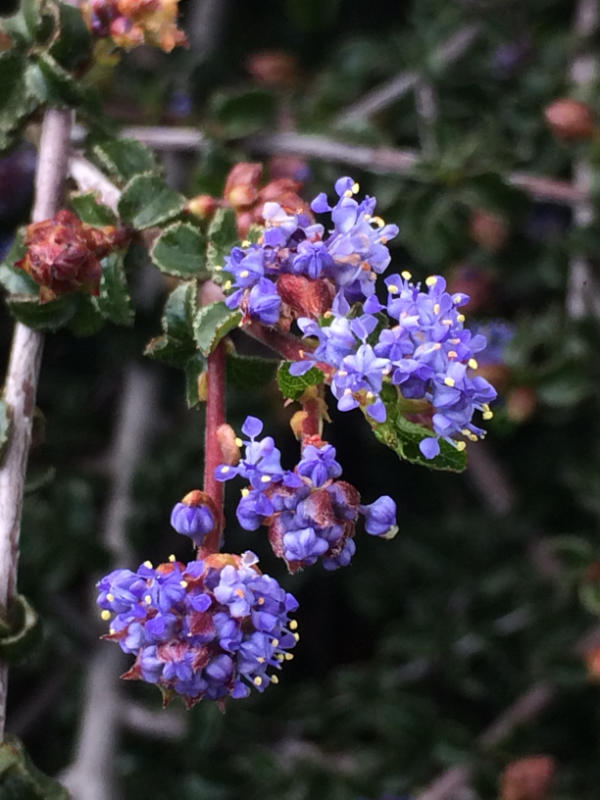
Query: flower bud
(63,254)
(203,206)
(304,296)
(380,517)
(570,119)
(528,778)
(195,516)
(241,186)
(228,443)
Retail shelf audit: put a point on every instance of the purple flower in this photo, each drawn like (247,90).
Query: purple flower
(211,628)
(380,516)
(193,521)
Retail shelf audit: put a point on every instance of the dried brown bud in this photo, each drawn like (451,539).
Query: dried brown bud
(63,254)
(528,778)
(241,187)
(229,444)
(273,68)
(570,119)
(304,296)
(489,230)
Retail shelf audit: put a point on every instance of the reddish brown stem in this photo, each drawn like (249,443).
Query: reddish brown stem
(215,416)
(283,343)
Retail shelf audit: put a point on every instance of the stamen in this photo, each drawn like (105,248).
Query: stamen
(452,354)
(406,275)
(293,624)
(472,362)
(246,243)
(449,382)
(431,280)
(258,681)
(172,558)
(265,479)
(392,288)
(238,441)
(245,492)
(106,615)
(355,188)
(148,564)
(460,446)
(244,273)
(461,317)
(274,678)
(183,584)
(110,597)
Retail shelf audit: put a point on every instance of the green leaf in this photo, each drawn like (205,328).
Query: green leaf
(15,280)
(20,632)
(177,344)
(17,99)
(114,301)
(62,88)
(90,211)
(125,158)
(212,323)
(43,316)
(404,436)
(40,18)
(147,201)
(193,369)
(294,386)
(74,43)
(87,319)
(4,426)
(20,779)
(222,237)
(250,372)
(245,112)
(180,250)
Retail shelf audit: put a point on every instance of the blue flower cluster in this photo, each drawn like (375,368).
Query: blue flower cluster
(425,351)
(310,514)
(211,628)
(349,256)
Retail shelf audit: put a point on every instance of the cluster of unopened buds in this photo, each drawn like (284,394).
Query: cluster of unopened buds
(130,23)
(63,254)
(325,280)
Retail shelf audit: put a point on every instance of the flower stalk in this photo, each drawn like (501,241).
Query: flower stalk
(215,417)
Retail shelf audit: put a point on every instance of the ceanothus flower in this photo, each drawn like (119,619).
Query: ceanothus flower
(212,628)
(347,257)
(195,516)
(310,514)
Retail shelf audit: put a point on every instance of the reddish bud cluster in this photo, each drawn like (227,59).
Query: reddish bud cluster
(130,23)
(244,194)
(63,254)
(570,119)
(528,778)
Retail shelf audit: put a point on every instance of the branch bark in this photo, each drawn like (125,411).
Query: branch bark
(23,372)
